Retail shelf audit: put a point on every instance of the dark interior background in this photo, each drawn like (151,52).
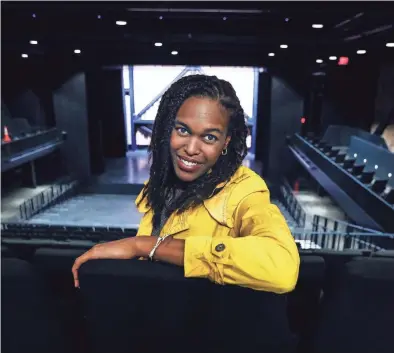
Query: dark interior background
(82,94)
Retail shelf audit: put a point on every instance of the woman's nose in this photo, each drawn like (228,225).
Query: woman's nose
(192,147)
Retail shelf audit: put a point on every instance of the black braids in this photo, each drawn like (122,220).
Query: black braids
(162,176)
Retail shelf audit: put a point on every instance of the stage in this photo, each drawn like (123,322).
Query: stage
(127,175)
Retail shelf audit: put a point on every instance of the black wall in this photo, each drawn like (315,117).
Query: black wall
(71,114)
(280,108)
(106,115)
(349,94)
(286,111)
(26,93)
(384,102)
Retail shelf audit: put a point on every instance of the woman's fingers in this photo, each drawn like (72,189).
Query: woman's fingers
(78,263)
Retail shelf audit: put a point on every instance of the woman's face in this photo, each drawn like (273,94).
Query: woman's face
(198,138)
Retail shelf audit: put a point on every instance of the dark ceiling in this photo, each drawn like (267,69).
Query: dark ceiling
(240,33)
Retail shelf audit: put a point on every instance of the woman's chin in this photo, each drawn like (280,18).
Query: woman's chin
(184,176)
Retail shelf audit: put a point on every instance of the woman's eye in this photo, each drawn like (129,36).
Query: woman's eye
(211,138)
(181,130)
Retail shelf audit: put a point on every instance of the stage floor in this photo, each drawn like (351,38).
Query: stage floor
(134,169)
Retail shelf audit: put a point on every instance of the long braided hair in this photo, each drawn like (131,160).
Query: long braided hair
(162,176)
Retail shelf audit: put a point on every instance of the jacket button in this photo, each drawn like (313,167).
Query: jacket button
(220,247)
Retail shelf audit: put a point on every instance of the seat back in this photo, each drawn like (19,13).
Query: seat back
(358,316)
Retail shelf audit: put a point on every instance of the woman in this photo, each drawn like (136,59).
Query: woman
(202,209)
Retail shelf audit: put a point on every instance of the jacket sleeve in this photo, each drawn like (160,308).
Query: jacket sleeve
(262,256)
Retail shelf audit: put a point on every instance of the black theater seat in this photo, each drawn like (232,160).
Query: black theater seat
(357,169)
(326,148)
(29,316)
(348,163)
(303,302)
(389,197)
(340,157)
(359,318)
(139,306)
(55,265)
(333,153)
(378,185)
(367,176)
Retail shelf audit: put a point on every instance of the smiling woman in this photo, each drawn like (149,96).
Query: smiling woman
(202,209)
(199,137)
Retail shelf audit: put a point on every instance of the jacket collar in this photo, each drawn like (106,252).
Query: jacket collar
(217,206)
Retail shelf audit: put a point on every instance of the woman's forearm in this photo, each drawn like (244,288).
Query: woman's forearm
(170,250)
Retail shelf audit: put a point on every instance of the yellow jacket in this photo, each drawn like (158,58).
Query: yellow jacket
(236,237)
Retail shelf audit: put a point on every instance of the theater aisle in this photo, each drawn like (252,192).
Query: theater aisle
(92,210)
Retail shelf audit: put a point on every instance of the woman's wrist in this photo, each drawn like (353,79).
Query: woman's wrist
(144,245)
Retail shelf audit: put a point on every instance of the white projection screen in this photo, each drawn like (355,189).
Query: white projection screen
(150,81)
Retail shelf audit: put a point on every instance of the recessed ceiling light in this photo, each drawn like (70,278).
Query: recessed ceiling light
(287,19)
(174,52)
(160,17)
(121,23)
(333,58)
(33,42)
(158,44)
(317,25)
(25,56)
(319,61)
(361,51)
(271,54)
(33,15)
(77,51)
(284,46)
(99,17)
(390,45)
(224,18)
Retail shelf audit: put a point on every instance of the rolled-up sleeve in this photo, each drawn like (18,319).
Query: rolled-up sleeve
(263,256)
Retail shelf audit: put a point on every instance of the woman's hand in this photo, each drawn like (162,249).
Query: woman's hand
(119,249)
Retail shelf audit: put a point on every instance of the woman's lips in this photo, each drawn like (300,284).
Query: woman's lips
(187,166)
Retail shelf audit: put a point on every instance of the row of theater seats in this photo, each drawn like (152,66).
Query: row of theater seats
(342,303)
(365,172)
(20,233)
(18,127)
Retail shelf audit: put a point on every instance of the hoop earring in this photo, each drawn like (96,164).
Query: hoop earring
(224,152)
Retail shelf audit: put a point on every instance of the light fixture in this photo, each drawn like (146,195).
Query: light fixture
(160,17)
(33,15)
(99,17)
(284,46)
(355,155)
(271,54)
(224,18)
(317,25)
(319,61)
(365,161)
(333,58)
(121,23)
(287,19)
(34,42)
(390,45)
(390,175)
(174,52)
(361,51)
(376,166)
(158,44)
(77,51)
(25,56)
